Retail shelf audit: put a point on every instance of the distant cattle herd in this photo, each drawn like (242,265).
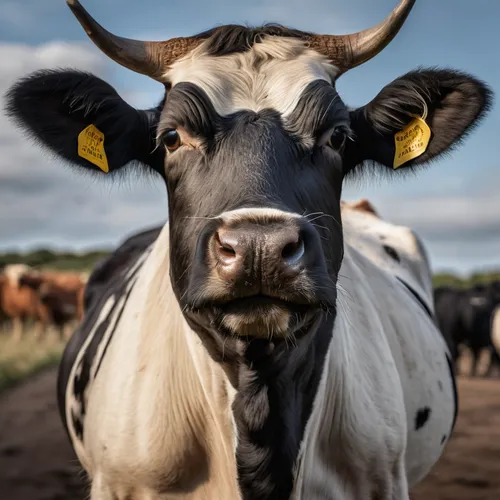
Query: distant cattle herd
(40,298)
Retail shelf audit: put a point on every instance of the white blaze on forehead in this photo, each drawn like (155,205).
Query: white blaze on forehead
(13,272)
(272,74)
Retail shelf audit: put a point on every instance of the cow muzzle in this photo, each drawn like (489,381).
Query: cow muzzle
(259,273)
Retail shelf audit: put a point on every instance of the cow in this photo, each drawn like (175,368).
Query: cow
(65,306)
(48,298)
(19,303)
(64,291)
(261,345)
(64,279)
(465,316)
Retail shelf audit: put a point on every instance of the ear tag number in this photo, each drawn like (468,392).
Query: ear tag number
(91,147)
(411,142)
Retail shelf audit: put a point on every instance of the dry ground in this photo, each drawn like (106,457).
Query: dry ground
(36,462)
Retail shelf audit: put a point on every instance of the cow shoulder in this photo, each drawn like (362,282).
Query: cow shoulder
(112,267)
(111,279)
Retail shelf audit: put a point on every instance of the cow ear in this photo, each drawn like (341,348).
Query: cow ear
(82,119)
(417,118)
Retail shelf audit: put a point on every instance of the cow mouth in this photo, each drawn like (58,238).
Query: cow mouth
(261,316)
(260,304)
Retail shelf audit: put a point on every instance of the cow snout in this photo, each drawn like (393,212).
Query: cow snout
(258,251)
(259,272)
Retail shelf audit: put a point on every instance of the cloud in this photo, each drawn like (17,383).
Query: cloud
(459,231)
(43,200)
(452,219)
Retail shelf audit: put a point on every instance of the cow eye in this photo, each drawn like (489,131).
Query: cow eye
(172,140)
(338,138)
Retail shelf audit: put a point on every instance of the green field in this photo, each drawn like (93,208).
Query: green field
(21,359)
(440,279)
(63,261)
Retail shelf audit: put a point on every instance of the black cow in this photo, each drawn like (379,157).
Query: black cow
(464,317)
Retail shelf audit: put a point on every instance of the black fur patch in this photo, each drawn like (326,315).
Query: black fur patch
(77,424)
(455,392)
(189,107)
(422,417)
(54,106)
(391,253)
(417,296)
(232,38)
(272,407)
(450,96)
(319,110)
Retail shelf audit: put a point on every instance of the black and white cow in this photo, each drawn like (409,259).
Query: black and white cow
(263,345)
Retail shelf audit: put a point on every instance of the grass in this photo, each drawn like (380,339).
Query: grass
(27,357)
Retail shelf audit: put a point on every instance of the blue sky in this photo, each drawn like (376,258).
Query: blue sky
(454,205)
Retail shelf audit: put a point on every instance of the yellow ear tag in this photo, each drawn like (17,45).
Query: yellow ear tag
(91,147)
(411,142)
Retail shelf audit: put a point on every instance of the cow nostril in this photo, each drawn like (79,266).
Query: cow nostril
(293,252)
(224,250)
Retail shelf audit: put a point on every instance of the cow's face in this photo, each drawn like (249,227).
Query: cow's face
(253,143)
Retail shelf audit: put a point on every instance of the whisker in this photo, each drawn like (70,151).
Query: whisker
(200,217)
(325,215)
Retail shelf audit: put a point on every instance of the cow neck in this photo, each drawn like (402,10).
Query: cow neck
(276,387)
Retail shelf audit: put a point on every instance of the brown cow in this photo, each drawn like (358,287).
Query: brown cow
(19,303)
(64,305)
(61,293)
(70,281)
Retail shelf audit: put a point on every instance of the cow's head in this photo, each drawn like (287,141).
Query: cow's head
(253,142)
(31,279)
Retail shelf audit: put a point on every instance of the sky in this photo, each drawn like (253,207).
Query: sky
(454,205)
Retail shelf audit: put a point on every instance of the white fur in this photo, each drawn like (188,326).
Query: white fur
(413,267)
(159,393)
(157,400)
(72,405)
(495,328)
(384,363)
(272,74)
(13,272)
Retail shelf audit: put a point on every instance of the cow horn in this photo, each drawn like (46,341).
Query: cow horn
(148,58)
(349,51)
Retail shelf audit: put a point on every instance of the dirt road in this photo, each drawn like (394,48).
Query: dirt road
(36,462)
